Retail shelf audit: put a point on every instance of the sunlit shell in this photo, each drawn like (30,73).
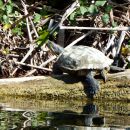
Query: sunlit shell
(83,57)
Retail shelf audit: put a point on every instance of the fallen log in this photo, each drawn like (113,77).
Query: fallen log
(66,87)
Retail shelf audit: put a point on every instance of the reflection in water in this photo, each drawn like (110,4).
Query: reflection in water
(88,119)
(28,115)
(93,117)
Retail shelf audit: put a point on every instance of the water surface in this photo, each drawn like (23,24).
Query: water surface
(33,114)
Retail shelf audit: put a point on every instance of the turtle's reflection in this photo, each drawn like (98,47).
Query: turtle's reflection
(88,117)
(92,117)
(51,120)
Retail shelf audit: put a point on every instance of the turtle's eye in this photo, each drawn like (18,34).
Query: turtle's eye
(107,69)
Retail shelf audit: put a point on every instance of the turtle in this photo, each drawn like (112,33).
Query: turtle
(82,61)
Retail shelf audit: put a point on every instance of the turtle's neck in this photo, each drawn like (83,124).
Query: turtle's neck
(55,47)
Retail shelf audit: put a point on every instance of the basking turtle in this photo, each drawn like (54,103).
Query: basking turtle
(81,61)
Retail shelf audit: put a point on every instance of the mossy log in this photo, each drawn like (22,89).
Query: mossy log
(117,87)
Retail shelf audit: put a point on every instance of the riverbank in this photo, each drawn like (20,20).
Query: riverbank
(66,87)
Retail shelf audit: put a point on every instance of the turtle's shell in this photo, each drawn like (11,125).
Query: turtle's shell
(82,57)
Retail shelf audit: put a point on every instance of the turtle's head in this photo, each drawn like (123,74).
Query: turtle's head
(55,47)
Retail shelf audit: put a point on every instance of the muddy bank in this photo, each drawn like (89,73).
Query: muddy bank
(66,87)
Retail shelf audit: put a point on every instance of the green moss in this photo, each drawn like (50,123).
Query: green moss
(56,88)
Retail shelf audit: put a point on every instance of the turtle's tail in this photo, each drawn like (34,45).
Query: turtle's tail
(55,47)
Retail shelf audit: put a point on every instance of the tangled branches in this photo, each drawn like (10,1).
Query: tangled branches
(23,52)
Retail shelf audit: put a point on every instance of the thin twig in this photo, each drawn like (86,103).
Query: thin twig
(36,67)
(25,57)
(72,8)
(96,28)
(61,37)
(43,64)
(109,43)
(35,31)
(79,39)
(114,49)
(49,60)
(50,24)
(111,16)
(28,28)
(31,10)
(43,22)
(30,37)
(123,34)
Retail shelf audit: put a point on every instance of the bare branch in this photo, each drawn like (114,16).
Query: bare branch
(36,67)
(96,28)
(43,64)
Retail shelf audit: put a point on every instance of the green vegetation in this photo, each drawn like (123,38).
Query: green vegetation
(31,24)
(87,8)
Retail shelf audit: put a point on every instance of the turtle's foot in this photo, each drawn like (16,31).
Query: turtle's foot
(91,91)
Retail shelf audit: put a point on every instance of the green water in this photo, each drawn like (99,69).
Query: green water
(33,114)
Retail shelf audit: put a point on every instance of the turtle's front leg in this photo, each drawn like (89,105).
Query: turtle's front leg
(92,85)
